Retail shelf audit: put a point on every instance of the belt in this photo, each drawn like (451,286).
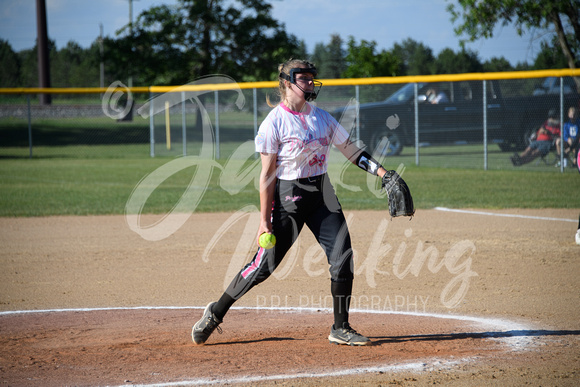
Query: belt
(311,179)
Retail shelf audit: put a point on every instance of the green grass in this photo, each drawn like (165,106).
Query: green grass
(466,188)
(91,186)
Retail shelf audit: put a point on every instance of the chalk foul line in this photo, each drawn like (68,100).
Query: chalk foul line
(503,215)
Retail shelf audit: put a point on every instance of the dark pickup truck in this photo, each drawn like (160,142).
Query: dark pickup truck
(458,118)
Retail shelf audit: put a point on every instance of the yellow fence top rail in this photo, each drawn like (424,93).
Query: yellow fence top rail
(326,82)
(66,90)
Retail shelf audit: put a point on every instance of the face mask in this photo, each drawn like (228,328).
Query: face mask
(308,95)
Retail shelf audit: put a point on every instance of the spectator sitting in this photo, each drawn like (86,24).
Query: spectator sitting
(543,143)
(434,96)
(570,135)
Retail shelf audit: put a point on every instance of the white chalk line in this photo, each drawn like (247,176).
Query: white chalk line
(503,215)
(506,326)
(416,367)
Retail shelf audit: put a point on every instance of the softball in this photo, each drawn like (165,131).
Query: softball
(267,241)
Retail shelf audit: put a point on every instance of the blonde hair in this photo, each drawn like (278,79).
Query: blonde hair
(285,68)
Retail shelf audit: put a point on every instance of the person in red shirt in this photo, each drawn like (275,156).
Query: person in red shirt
(543,143)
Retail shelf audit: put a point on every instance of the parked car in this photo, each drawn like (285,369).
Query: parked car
(551,85)
(388,126)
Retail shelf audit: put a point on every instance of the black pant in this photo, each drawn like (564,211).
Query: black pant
(311,202)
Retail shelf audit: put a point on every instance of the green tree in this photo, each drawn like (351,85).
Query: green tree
(497,64)
(74,66)
(10,69)
(330,59)
(449,62)
(479,18)
(363,61)
(523,66)
(550,57)
(176,44)
(29,64)
(28,67)
(414,57)
(152,51)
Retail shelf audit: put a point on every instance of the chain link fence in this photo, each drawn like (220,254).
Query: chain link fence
(480,120)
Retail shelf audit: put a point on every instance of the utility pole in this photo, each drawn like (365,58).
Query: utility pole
(130,82)
(102,51)
(42,49)
(129,116)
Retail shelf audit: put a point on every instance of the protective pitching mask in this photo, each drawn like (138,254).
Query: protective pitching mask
(308,95)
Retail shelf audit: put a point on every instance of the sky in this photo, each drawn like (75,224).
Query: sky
(384,21)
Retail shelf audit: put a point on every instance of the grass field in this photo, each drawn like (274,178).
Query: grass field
(69,185)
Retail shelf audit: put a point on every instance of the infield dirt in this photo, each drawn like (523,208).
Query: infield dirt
(515,278)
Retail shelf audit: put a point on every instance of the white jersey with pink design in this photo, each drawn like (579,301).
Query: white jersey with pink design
(300,139)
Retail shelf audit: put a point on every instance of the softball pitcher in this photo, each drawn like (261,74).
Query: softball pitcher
(295,190)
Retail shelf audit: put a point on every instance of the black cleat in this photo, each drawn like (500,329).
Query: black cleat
(203,329)
(347,336)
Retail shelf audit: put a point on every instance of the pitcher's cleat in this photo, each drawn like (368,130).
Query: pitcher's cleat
(347,336)
(203,329)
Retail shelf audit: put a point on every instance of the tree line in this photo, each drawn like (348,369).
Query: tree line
(174,45)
